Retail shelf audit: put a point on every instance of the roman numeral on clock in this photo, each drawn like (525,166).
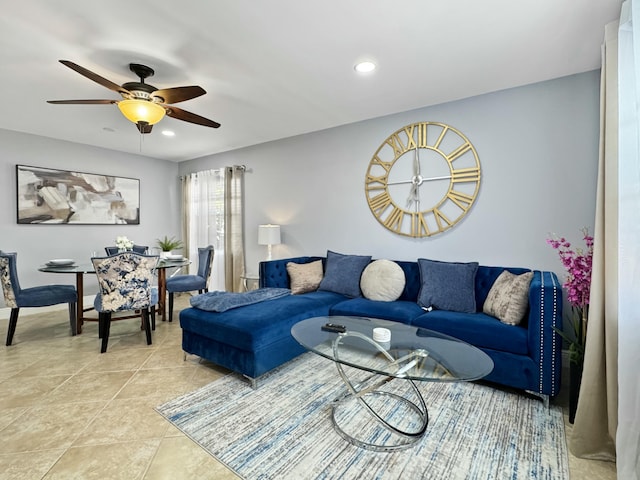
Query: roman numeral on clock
(441,219)
(422,135)
(386,165)
(462,200)
(394,220)
(376,183)
(461,150)
(395,142)
(471,174)
(419,227)
(380,202)
(411,143)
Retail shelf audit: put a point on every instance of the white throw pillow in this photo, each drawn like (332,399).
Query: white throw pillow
(382,280)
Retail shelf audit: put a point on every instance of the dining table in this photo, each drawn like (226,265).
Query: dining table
(82,269)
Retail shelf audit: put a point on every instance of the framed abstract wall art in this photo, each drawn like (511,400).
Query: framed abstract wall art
(48,196)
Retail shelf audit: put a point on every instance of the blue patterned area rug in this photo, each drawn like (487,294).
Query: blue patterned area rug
(283,430)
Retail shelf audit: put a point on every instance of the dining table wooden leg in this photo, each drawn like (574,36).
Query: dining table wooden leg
(162,293)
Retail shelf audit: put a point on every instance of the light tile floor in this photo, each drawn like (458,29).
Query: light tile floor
(69,412)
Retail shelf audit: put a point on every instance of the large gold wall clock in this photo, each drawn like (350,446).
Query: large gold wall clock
(423,179)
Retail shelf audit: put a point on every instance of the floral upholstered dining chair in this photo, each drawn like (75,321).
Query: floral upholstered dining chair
(16,297)
(126,283)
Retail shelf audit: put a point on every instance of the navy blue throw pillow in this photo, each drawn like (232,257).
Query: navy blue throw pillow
(342,273)
(448,285)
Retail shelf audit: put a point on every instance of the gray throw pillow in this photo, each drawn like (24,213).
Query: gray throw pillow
(342,273)
(448,285)
(508,298)
(304,277)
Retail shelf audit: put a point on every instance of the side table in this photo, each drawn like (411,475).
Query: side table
(250,282)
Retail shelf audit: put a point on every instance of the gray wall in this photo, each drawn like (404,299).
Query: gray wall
(35,244)
(538,147)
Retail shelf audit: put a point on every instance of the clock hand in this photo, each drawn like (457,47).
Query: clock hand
(413,195)
(416,169)
(404,182)
(435,178)
(417,180)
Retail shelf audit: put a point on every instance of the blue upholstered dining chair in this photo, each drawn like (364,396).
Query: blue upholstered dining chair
(125,281)
(136,249)
(16,297)
(190,283)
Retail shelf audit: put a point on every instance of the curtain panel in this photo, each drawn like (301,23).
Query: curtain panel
(596,416)
(234,228)
(185,183)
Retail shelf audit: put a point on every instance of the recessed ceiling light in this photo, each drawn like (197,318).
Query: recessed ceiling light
(365,67)
(168,133)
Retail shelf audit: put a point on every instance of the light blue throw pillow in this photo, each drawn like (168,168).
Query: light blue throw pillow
(448,285)
(342,273)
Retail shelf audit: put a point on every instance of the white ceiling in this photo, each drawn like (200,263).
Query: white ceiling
(278,68)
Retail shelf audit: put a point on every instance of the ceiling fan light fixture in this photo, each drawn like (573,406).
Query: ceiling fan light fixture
(141,111)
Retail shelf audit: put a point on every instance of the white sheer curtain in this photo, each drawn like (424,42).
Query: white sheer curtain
(203,220)
(628,434)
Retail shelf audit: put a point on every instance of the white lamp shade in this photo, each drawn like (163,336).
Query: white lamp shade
(268,234)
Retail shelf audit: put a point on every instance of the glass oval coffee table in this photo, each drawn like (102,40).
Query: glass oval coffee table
(374,412)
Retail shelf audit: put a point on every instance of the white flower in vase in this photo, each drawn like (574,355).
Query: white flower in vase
(124,244)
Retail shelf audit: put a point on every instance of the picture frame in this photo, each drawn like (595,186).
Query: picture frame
(47,196)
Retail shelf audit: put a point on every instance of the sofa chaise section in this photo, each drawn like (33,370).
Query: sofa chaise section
(252,339)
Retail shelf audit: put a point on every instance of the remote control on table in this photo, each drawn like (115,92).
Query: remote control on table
(332,327)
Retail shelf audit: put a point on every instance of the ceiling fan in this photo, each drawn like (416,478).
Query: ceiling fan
(141,103)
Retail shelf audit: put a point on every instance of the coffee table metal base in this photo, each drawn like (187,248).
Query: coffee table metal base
(367,394)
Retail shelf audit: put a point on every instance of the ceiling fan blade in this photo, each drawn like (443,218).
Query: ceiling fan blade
(180,114)
(82,102)
(95,77)
(178,94)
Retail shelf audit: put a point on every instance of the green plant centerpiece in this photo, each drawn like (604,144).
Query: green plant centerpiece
(167,244)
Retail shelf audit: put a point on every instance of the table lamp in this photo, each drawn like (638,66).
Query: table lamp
(268,235)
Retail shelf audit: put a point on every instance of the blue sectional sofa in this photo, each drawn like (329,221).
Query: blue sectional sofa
(254,339)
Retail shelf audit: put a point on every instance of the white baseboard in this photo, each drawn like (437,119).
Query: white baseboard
(6,311)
